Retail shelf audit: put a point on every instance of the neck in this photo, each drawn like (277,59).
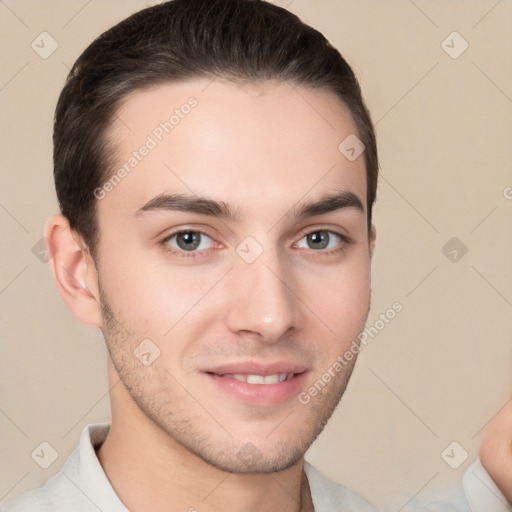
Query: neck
(149,470)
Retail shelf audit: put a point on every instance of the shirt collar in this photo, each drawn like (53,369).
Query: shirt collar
(481,492)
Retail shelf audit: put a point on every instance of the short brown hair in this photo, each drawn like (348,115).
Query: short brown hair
(176,41)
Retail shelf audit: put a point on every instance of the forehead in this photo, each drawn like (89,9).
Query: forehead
(254,145)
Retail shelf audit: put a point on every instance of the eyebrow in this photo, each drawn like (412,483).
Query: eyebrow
(189,203)
(338,201)
(213,208)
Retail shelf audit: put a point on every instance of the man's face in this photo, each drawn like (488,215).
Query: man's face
(257,283)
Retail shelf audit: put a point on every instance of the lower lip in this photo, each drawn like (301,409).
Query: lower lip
(260,394)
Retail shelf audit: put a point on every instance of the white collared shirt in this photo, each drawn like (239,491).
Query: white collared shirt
(82,486)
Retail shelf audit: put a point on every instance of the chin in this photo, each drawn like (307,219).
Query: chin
(249,459)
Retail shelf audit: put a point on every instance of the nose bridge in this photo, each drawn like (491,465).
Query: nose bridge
(262,301)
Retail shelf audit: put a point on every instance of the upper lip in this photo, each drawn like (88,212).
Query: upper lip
(257,368)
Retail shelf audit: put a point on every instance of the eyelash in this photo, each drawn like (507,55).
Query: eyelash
(341,248)
(185,254)
(345,241)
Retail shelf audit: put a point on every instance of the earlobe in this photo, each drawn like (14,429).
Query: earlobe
(73,270)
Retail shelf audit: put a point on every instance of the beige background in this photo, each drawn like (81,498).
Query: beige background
(437,373)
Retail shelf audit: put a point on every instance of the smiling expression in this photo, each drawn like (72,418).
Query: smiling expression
(238,249)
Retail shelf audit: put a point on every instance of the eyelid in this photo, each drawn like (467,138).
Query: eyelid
(177,231)
(179,228)
(340,248)
(164,243)
(337,230)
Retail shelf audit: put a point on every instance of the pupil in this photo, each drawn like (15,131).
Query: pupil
(188,240)
(318,240)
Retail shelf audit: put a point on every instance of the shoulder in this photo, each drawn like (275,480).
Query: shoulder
(78,487)
(58,494)
(36,500)
(481,492)
(329,496)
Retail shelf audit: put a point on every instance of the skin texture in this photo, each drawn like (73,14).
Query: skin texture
(264,149)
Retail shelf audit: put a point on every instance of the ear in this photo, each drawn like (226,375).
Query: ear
(372,238)
(73,270)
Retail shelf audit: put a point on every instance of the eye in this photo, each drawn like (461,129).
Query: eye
(320,240)
(189,241)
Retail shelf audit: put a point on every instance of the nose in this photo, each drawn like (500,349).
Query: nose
(262,302)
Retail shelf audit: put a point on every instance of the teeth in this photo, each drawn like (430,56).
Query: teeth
(260,379)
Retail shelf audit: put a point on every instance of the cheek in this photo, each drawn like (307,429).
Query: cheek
(135,294)
(340,298)
(153,297)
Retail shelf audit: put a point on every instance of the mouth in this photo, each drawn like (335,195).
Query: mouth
(275,378)
(259,384)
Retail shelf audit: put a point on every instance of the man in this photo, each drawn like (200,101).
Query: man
(219,232)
